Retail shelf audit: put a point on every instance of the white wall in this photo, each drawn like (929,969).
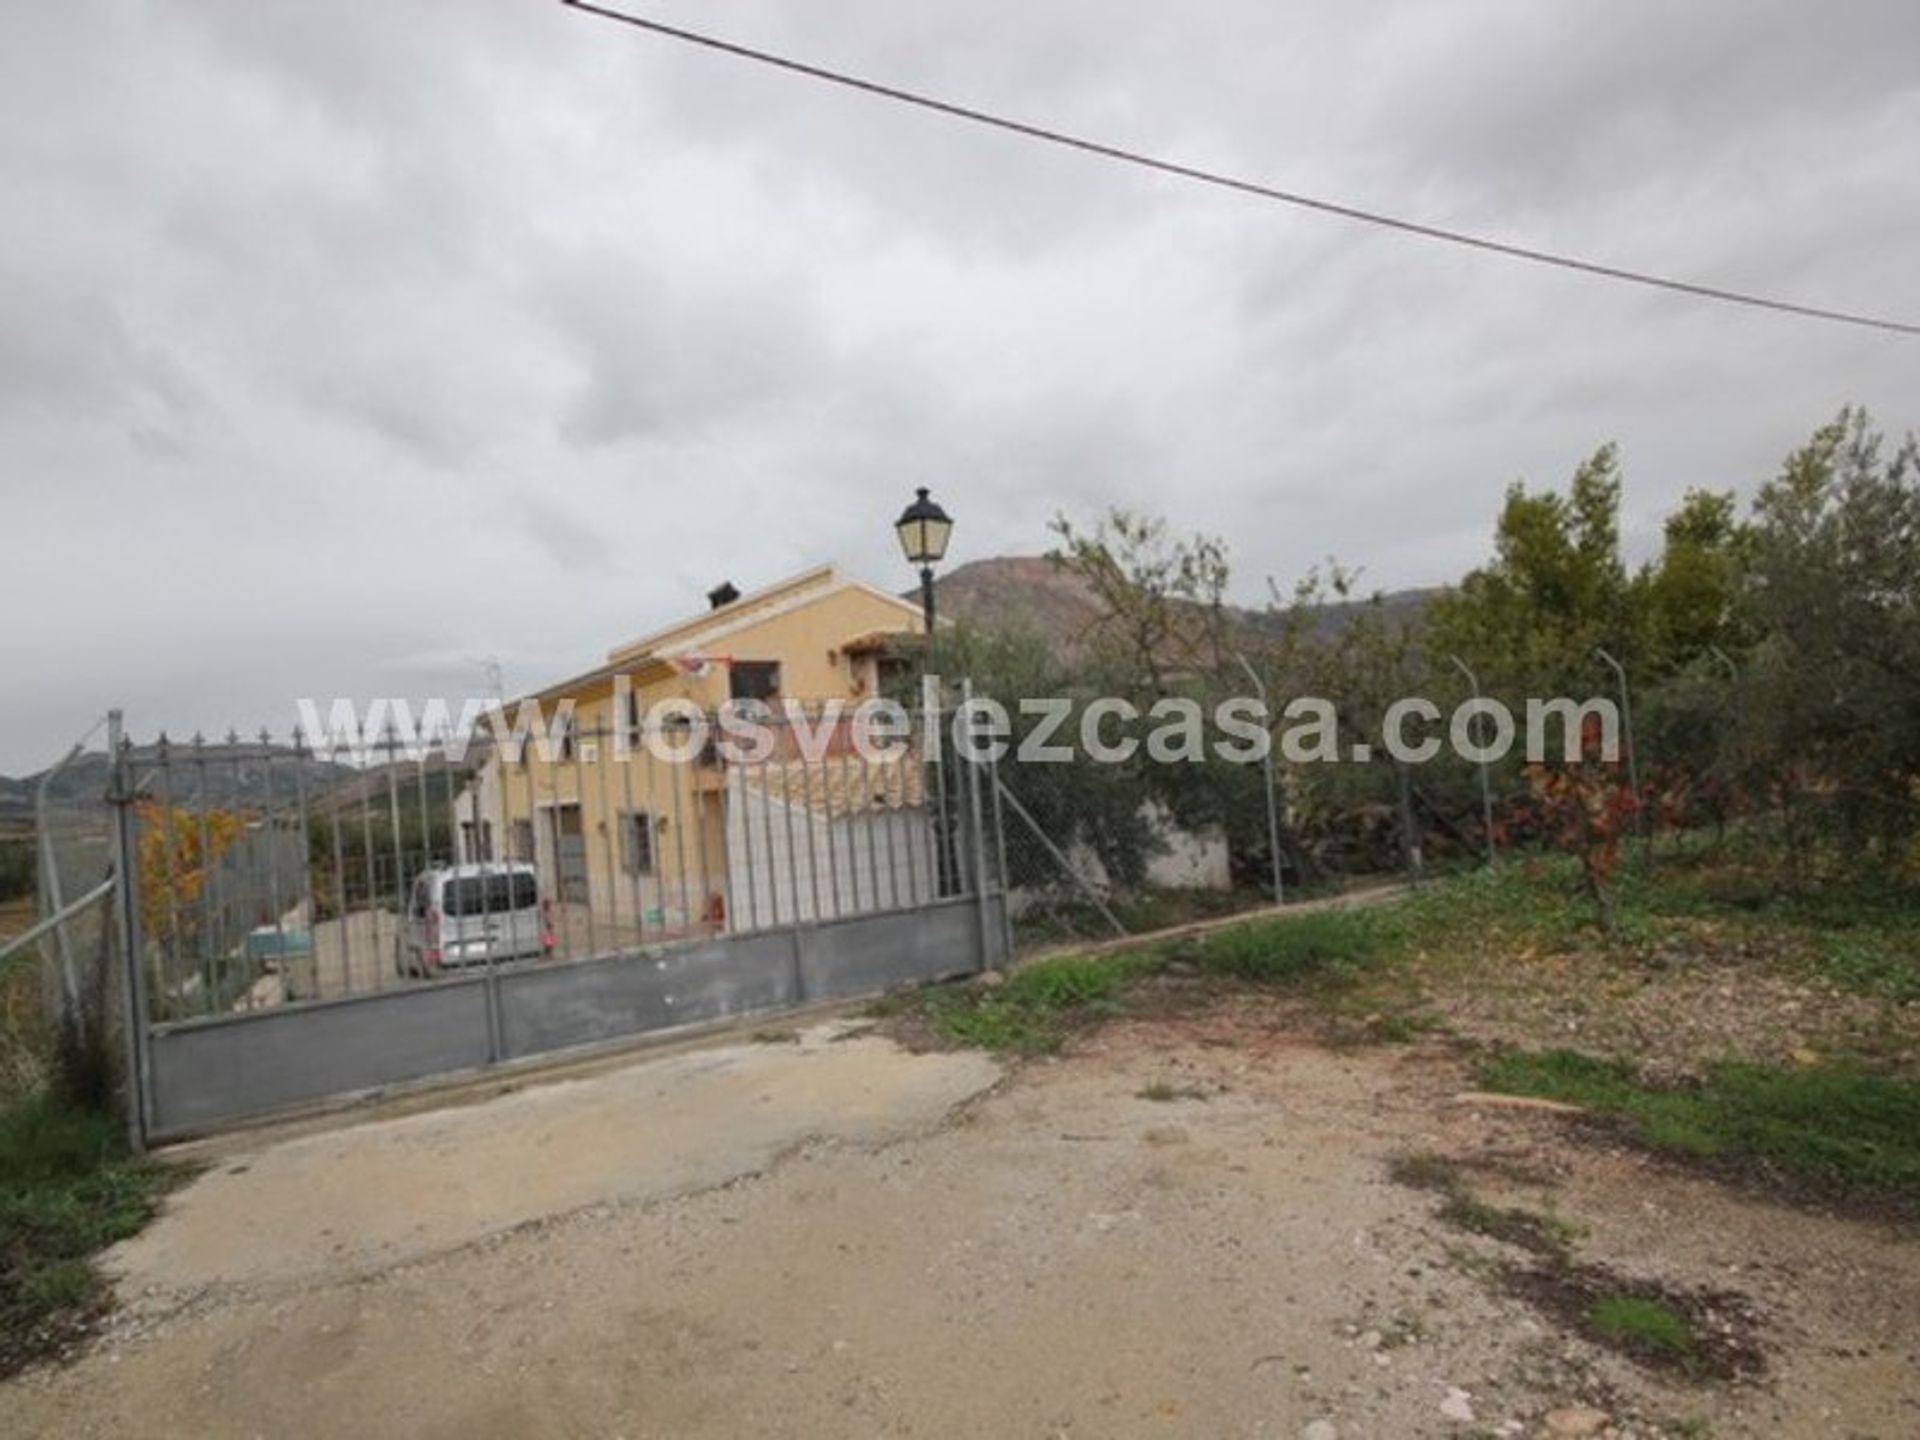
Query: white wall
(790,864)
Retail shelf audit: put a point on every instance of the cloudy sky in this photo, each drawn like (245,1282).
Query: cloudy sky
(345,348)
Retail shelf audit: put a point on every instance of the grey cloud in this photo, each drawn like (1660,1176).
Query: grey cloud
(341,345)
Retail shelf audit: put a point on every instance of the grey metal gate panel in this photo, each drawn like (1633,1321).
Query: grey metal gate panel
(209,1073)
(871,953)
(589,1001)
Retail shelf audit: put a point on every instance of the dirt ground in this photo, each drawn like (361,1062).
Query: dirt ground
(836,1237)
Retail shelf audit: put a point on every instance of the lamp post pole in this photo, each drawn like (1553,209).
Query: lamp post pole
(923,529)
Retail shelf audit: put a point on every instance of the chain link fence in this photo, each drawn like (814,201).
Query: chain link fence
(1097,851)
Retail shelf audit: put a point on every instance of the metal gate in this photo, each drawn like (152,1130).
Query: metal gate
(274,963)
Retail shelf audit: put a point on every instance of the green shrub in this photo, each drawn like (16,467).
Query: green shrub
(67,1189)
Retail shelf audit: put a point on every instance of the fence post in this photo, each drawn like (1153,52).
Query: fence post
(1409,836)
(976,834)
(133,990)
(1633,763)
(1000,863)
(1266,765)
(1486,784)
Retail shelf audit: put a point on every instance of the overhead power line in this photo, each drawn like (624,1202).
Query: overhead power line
(1245,187)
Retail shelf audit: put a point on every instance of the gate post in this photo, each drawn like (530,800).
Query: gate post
(126,898)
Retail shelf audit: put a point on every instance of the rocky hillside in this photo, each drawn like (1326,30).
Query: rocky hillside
(1038,593)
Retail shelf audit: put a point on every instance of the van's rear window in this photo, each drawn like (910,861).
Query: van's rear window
(491,894)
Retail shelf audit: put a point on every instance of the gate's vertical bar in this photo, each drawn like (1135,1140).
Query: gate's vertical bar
(827,829)
(490,978)
(723,803)
(697,798)
(529,753)
(653,829)
(810,820)
(133,994)
(786,816)
(273,854)
(977,838)
(399,848)
(170,946)
(477,856)
(942,833)
(884,826)
(250,917)
(737,784)
(365,788)
(209,931)
(676,773)
(630,853)
(339,844)
(450,810)
(867,824)
(771,875)
(305,850)
(420,778)
(551,763)
(917,894)
(580,814)
(603,757)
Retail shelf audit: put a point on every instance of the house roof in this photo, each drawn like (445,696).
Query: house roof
(699,630)
(656,653)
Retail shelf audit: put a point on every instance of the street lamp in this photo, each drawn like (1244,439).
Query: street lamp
(923,528)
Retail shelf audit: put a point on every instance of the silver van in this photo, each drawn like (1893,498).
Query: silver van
(488,914)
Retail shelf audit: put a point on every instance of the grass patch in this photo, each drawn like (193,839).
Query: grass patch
(1032,1010)
(1545,1235)
(1836,1131)
(68,1189)
(1638,1322)
(1700,1334)
(1528,1229)
(1325,946)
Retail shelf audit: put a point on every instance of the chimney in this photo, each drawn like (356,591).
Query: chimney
(722,595)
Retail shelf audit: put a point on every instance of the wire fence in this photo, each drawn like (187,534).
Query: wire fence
(1097,851)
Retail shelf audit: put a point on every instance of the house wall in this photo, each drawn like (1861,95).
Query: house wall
(696,860)
(806,640)
(807,866)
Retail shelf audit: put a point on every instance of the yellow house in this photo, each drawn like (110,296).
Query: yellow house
(634,847)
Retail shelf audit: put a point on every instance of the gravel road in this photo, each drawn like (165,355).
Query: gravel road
(835,1237)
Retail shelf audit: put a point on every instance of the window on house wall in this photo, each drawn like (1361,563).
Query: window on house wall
(635,729)
(636,847)
(569,734)
(523,840)
(754,679)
